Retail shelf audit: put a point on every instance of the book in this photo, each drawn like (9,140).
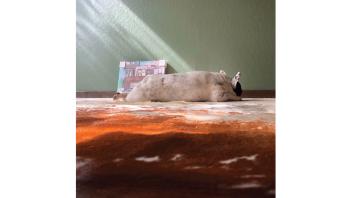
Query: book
(132,72)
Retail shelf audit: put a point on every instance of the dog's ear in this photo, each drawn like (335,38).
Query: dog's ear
(235,79)
(222,72)
(238,76)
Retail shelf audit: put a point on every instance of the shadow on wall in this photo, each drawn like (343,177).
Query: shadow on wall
(170,69)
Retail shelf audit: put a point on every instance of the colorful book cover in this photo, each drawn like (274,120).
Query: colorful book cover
(132,72)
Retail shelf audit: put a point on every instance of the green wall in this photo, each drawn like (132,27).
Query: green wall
(233,35)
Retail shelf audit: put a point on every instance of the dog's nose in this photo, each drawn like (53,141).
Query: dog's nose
(238,89)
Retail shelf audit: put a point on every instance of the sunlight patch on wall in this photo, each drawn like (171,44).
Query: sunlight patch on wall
(114,25)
